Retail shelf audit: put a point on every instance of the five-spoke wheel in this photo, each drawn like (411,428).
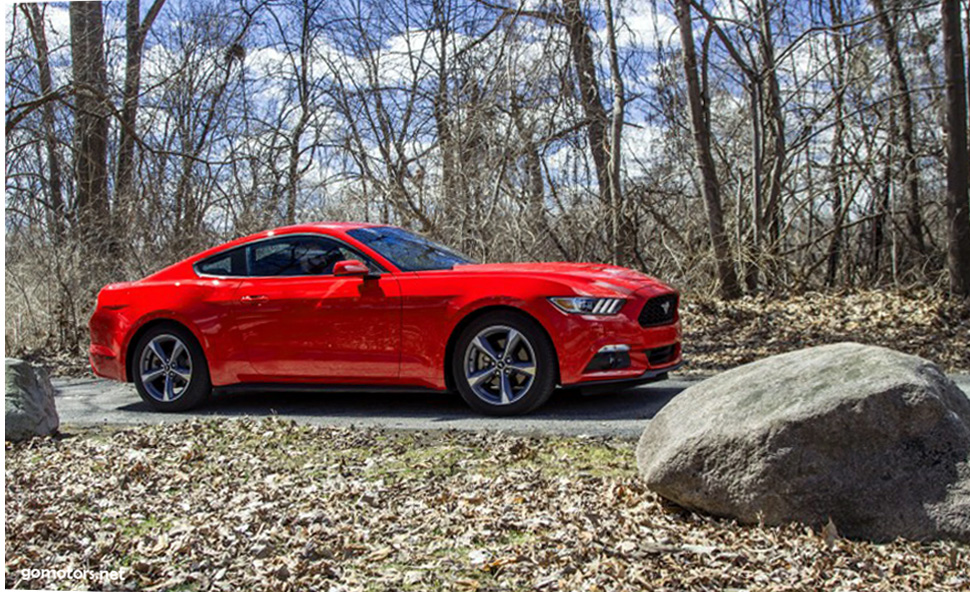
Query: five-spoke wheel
(169,369)
(504,364)
(166,368)
(500,365)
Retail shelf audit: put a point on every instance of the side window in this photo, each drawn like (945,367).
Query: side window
(230,263)
(297,256)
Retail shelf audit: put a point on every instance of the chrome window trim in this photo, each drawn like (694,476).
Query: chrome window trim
(199,274)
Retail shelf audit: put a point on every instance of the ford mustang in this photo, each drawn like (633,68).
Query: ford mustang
(353,306)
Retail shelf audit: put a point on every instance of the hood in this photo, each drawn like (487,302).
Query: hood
(590,278)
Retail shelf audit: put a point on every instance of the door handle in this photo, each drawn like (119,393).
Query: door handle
(255,299)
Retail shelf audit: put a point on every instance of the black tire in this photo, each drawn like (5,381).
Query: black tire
(493,396)
(185,393)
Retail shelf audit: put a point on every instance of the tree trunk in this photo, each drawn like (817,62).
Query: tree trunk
(90,122)
(596,117)
(64,334)
(835,160)
(880,207)
(904,101)
(958,158)
(620,230)
(772,212)
(293,172)
(56,211)
(727,277)
(135,33)
(753,266)
(441,111)
(293,166)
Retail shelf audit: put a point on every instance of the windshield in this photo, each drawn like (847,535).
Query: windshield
(409,252)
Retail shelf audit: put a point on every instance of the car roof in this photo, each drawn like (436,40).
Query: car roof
(281,230)
(327,226)
(183,267)
(295,228)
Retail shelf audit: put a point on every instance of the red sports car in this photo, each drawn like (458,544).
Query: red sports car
(349,306)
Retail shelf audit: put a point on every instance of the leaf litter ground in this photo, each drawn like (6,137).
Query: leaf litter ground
(719,334)
(268,504)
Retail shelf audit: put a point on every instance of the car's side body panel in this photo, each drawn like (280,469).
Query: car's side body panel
(321,329)
(388,330)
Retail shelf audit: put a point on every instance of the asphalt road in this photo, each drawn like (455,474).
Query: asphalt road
(90,402)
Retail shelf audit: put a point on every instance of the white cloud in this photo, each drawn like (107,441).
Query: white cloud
(642,26)
(59,24)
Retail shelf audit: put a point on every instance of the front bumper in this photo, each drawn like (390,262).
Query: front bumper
(646,377)
(652,350)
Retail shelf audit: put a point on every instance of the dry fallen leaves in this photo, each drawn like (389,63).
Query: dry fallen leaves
(719,334)
(271,505)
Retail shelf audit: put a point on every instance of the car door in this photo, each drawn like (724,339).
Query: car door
(301,323)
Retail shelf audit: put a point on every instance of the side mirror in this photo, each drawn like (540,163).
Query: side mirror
(350,267)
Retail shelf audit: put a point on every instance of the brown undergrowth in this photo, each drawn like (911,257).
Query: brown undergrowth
(723,334)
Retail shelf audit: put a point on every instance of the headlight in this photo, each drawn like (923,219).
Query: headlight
(588,306)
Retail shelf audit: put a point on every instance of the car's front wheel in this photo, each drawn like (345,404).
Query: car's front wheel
(170,370)
(504,364)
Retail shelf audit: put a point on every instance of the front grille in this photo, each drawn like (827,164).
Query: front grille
(661,355)
(659,311)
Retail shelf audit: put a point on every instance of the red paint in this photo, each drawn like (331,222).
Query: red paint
(350,267)
(352,328)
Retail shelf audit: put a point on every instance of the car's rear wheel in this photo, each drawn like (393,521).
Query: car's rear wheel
(504,364)
(170,370)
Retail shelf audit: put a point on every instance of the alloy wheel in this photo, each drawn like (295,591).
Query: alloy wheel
(165,368)
(500,365)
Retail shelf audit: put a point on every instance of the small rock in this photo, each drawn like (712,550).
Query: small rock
(627,547)
(28,402)
(413,577)
(478,557)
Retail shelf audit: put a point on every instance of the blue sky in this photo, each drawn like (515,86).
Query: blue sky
(399,35)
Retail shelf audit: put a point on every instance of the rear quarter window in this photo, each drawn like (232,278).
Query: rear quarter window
(231,263)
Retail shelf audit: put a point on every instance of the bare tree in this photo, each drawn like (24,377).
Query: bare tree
(710,187)
(90,122)
(904,99)
(601,124)
(56,215)
(305,15)
(958,158)
(776,117)
(136,30)
(544,123)
(621,236)
(836,158)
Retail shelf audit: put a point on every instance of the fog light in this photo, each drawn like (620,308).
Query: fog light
(610,357)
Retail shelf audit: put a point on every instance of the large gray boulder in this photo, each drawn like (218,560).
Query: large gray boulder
(876,440)
(29,402)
